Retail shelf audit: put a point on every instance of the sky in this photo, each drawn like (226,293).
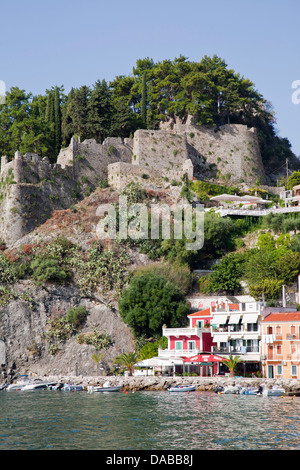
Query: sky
(75,43)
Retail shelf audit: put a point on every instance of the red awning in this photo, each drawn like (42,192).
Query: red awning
(204,358)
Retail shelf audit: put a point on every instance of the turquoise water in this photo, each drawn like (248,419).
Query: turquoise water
(41,420)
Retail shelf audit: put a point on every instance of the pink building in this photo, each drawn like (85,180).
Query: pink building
(191,346)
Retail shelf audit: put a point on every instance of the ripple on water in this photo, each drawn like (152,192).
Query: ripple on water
(147,420)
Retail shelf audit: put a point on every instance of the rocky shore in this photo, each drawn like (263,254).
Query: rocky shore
(160,383)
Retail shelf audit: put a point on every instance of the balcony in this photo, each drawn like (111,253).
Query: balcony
(291,336)
(183,331)
(178,352)
(236,349)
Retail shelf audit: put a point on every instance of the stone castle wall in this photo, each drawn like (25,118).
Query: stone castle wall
(31,187)
(158,157)
(228,154)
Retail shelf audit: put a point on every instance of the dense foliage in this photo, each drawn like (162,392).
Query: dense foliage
(273,262)
(151,301)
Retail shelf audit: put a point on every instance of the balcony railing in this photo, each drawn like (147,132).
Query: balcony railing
(238,329)
(178,352)
(236,349)
(183,331)
(291,336)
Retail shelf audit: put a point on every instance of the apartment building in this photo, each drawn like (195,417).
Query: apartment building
(281,345)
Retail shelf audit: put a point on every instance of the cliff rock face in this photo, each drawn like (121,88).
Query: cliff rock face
(24,321)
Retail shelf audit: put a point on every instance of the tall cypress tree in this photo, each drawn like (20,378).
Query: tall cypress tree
(57,121)
(144,99)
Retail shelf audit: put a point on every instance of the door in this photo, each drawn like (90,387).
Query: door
(270,372)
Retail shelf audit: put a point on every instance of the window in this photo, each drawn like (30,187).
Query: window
(178,345)
(200,323)
(270,352)
(278,330)
(269,330)
(191,345)
(294,370)
(278,350)
(293,330)
(293,349)
(279,369)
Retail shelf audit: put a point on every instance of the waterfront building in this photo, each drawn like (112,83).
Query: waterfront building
(236,330)
(281,345)
(265,341)
(193,345)
(221,330)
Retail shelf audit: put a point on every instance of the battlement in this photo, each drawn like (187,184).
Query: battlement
(31,168)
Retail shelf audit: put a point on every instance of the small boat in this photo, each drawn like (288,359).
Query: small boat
(39,386)
(103,389)
(235,389)
(273,392)
(248,391)
(107,387)
(182,388)
(29,384)
(72,388)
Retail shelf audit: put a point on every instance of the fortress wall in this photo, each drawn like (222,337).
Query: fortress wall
(229,154)
(121,174)
(233,149)
(90,159)
(159,150)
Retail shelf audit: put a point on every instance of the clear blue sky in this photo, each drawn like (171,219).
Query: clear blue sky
(74,43)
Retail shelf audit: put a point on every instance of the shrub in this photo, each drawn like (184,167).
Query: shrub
(98,340)
(103,184)
(7,273)
(76,316)
(270,288)
(48,269)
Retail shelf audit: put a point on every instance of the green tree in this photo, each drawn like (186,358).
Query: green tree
(128,360)
(57,120)
(227,274)
(100,111)
(294,179)
(232,363)
(144,99)
(270,289)
(151,301)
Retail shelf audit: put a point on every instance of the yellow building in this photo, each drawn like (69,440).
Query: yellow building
(281,345)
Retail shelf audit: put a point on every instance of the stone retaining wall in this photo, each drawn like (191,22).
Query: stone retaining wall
(204,384)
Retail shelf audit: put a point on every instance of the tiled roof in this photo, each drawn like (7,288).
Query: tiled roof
(282,316)
(202,313)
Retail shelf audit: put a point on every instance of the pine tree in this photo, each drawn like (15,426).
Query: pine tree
(100,111)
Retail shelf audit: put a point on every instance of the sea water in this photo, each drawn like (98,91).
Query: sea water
(41,420)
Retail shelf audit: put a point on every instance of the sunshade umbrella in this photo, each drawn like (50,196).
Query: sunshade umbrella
(204,358)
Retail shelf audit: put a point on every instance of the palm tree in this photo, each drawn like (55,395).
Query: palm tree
(232,363)
(97,359)
(128,360)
